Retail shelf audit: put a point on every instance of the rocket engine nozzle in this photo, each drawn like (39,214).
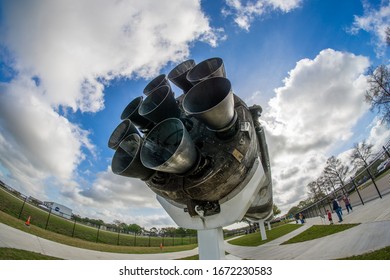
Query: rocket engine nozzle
(195,150)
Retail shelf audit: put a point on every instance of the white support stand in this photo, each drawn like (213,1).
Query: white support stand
(262,230)
(262,224)
(232,209)
(211,245)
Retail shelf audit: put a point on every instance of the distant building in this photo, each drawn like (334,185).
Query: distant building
(5,186)
(34,200)
(59,209)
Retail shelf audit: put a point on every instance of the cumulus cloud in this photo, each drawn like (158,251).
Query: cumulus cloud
(310,116)
(375,21)
(75,47)
(60,56)
(379,135)
(320,101)
(116,197)
(36,142)
(245,12)
(123,192)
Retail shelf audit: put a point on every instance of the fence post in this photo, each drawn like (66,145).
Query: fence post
(372,179)
(21,210)
(74,227)
(119,231)
(135,239)
(369,173)
(357,190)
(323,205)
(386,151)
(330,206)
(48,217)
(97,235)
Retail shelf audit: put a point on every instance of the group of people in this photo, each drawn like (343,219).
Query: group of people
(299,217)
(337,208)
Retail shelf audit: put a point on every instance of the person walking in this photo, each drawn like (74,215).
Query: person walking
(347,203)
(336,208)
(329,216)
(302,218)
(296,218)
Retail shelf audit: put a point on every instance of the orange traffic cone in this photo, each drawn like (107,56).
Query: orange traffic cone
(27,223)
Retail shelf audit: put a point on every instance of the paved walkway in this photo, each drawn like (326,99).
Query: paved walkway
(366,237)
(373,233)
(14,238)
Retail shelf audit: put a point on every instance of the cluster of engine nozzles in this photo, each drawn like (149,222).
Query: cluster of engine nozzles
(153,135)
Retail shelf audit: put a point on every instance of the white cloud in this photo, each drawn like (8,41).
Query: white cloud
(37,142)
(62,55)
(245,12)
(379,135)
(120,192)
(116,197)
(374,21)
(320,101)
(74,46)
(311,115)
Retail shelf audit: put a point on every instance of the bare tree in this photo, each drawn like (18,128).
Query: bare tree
(336,171)
(316,192)
(316,189)
(312,191)
(378,92)
(361,154)
(360,157)
(323,184)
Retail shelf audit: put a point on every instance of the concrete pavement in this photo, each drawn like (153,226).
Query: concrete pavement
(373,233)
(14,238)
(361,239)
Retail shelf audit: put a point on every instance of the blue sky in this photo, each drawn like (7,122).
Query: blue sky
(68,69)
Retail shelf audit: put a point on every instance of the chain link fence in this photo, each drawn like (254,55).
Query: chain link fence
(372,182)
(20,206)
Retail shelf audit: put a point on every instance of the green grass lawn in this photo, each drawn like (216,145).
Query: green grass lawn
(76,242)
(254,239)
(16,254)
(318,231)
(11,206)
(381,254)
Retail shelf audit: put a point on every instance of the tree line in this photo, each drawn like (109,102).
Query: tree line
(337,175)
(119,226)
